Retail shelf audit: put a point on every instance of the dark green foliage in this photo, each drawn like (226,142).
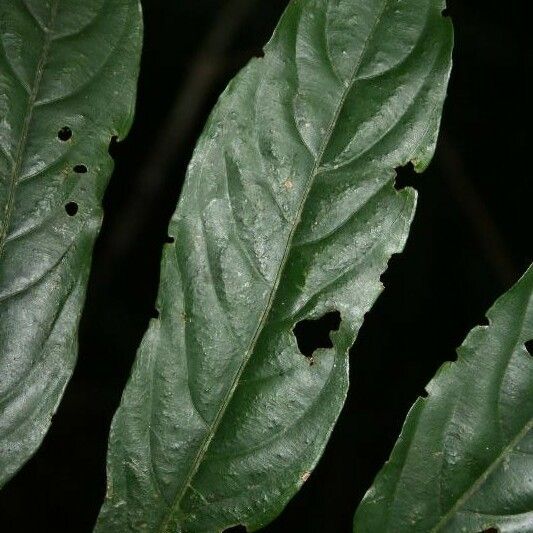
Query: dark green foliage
(464,460)
(289,212)
(68,72)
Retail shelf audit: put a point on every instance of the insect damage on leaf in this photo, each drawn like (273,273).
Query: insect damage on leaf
(462,461)
(314,334)
(529,347)
(68,74)
(288,212)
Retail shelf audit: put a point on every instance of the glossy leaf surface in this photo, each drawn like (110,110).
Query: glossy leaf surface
(68,73)
(464,460)
(288,212)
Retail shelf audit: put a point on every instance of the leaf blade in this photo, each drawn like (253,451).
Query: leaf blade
(220,397)
(61,66)
(459,449)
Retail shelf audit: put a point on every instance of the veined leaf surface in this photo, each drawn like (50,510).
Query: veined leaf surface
(464,460)
(288,212)
(68,72)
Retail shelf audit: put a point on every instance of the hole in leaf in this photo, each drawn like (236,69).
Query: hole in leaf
(64,134)
(405,177)
(80,169)
(155,314)
(313,334)
(529,346)
(71,208)
(113,146)
(170,239)
(236,529)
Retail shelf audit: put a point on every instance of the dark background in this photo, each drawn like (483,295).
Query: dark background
(470,241)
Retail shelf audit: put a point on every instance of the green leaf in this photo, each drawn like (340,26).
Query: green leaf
(464,460)
(289,212)
(68,72)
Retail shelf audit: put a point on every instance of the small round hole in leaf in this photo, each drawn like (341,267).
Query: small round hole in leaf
(71,208)
(80,169)
(64,134)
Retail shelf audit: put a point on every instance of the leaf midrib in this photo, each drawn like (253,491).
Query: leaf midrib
(21,147)
(483,477)
(279,275)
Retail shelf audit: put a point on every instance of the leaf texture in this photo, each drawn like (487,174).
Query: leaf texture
(288,212)
(464,460)
(68,72)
